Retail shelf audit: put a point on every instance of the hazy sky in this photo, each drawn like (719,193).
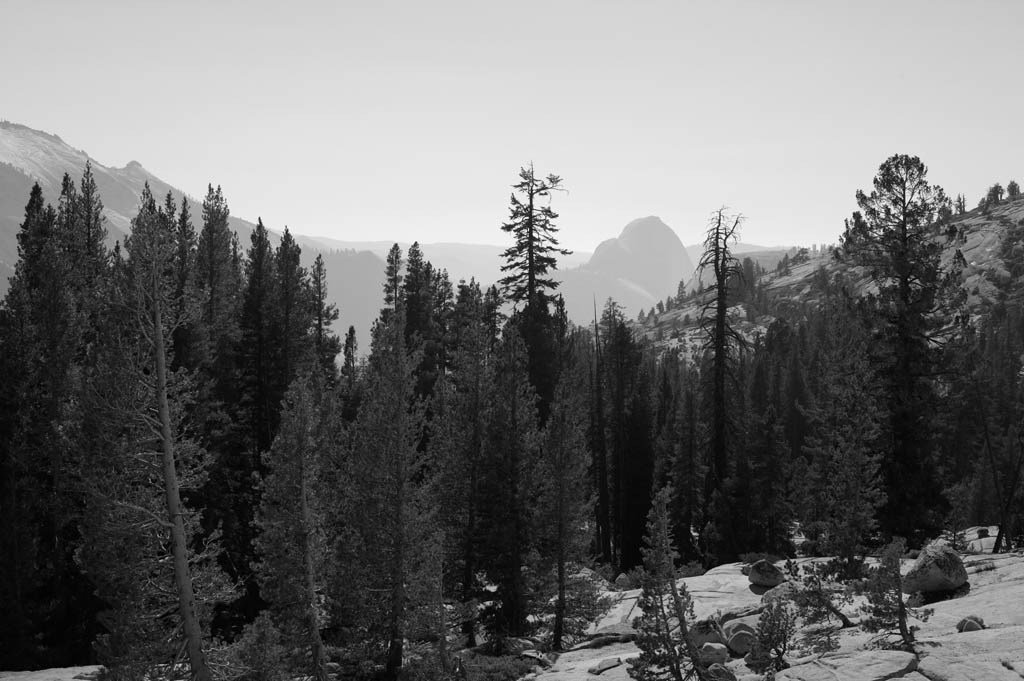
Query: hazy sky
(409,120)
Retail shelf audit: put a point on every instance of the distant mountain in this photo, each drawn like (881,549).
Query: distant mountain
(643,265)
(27,156)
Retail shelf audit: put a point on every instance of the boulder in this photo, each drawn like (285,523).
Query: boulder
(623,582)
(714,653)
(741,642)
(604,665)
(719,672)
(937,568)
(748,624)
(706,631)
(763,573)
(970,623)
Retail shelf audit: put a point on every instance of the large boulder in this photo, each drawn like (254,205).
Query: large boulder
(763,573)
(741,642)
(748,624)
(740,633)
(937,568)
(714,653)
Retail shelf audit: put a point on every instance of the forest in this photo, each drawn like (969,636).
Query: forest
(201,476)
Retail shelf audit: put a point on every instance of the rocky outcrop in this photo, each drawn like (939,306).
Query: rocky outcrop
(870,665)
(937,568)
(714,653)
(763,573)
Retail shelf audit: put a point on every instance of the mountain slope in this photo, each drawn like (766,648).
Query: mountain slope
(643,265)
(28,156)
(979,235)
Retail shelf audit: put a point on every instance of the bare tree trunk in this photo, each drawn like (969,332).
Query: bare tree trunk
(179,549)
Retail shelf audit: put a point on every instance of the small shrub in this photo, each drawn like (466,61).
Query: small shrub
(886,612)
(819,602)
(773,637)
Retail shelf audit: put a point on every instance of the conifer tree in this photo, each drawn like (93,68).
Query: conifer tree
(897,238)
(563,507)
(326,343)
(41,337)
(292,543)
(459,438)
(148,518)
(219,278)
(842,492)
(663,633)
(512,446)
(721,346)
(531,223)
(390,493)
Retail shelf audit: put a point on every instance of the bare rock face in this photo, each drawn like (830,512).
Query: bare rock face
(937,568)
(871,665)
(763,573)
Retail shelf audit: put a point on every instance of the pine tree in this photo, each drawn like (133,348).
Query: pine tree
(390,493)
(152,449)
(663,637)
(563,507)
(531,224)
(292,543)
(219,279)
(511,446)
(898,239)
(721,346)
(459,444)
(293,317)
(41,338)
(842,492)
(886,612)
(326,343)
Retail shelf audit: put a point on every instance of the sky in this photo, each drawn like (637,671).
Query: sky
(384,120)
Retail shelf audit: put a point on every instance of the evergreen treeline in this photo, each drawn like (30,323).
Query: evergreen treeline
(195,468)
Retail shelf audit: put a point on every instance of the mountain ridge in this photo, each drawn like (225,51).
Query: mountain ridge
(640,266)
